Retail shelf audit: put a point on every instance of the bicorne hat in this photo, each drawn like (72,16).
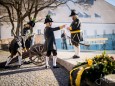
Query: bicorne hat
(32,23)
(48,19)
(73,13)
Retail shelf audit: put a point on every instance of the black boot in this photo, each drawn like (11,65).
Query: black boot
(75,56)
(55,66)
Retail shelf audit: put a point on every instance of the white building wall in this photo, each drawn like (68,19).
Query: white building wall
(87,27)
(91,28)
(6,31)
(101,7)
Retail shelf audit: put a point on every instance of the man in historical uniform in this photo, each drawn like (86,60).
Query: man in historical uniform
(28,30)
(76,35)
(50,41)
(15,48)
(32,22)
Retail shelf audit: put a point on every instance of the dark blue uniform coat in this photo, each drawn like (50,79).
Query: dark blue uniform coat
(50,38)
(75,25)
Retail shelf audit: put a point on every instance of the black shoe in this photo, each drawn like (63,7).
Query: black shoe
(75,56)
(47,67)
(18,66)
(27,62)
(6,67)
(55,67)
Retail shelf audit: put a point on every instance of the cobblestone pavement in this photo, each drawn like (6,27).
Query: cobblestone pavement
(31,75)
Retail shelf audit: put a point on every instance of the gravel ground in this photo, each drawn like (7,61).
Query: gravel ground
(4,55)
(31,75)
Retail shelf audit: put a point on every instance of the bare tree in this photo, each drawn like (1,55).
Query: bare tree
(18,10)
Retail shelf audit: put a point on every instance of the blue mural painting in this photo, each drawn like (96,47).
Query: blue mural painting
(108,45)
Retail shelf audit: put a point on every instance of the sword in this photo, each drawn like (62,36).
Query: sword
(78,42)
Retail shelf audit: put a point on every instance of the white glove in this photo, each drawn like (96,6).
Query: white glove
(20,44)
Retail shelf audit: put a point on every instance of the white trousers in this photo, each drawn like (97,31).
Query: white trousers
(19,57)
(47,61)
(77,50)
(33,40)
(10,59)
(54,60)
(20,60)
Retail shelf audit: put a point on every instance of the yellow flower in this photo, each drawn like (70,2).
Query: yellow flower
(90,62)
(97,56)
(105,62)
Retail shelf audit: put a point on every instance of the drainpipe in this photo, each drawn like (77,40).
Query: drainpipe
(0,33)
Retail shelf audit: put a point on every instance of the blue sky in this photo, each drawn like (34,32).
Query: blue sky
(111,2)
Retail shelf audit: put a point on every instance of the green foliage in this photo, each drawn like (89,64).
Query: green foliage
(33,19)
(48,16)
(107,63)
(102,65)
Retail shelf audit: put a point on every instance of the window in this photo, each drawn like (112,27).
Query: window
(11,33)
(97,15)
(85,32)
(104,32)
(39,31)
(112,2)
(80,14)
(113,31)
(95,32)
(86,15)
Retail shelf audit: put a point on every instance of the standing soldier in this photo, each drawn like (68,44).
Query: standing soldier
(75,33)
(50,41)
(28,30)
(32,24)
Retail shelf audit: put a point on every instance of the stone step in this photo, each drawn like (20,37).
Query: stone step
(65,59)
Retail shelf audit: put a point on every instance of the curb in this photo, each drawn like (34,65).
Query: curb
(109,81)
(65,64)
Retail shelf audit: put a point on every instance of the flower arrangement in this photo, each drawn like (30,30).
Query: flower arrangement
(100,66)
(94,68)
